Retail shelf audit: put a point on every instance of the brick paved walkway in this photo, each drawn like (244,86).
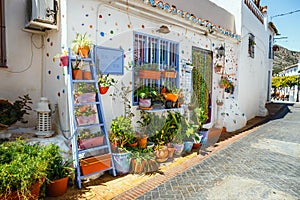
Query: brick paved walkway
(262,165)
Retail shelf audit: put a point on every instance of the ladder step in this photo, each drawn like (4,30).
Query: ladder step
(73,58)
(84,81)
(87,103)
(93,149)
(86,176)
(90,126)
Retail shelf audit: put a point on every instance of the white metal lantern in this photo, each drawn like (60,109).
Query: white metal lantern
(44,118)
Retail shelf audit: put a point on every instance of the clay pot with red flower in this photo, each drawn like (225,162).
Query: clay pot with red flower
(104,82)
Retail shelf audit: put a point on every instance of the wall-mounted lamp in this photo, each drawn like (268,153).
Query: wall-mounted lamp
(163,29)
(220,51)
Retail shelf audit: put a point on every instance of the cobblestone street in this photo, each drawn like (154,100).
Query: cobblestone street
(264,164)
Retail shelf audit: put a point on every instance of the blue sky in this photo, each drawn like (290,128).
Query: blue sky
(287,25)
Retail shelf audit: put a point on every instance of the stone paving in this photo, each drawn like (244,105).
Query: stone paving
(262,165)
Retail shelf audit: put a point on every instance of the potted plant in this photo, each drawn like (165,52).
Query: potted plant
(58,173)
(86,115)
(104,82)
(87,139)
(81,45)
(199,118)
(122,132)
(143,161)
(218,68)
(23,168)
(10,113)
(170,72)
(63,57)
(77,72)
(84,92)
(145,94)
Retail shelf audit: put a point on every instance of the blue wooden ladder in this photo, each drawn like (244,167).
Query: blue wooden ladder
(86,119)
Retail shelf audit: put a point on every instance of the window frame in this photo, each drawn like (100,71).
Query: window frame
(3,59)
(165,51)
(251,45)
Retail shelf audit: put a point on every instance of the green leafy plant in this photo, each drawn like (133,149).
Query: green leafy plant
(146,92)
(77,64)
(22,165)
(171,125)
(147,66)
(105,80)
(57,167)
(121,130)
(199,117)
(10,113)
(81,40)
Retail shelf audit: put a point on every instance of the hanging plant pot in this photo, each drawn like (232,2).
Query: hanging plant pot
(218,68)
(64,60)
(103,90)
(95,163)
(57,187)
(77,74)
(84,51)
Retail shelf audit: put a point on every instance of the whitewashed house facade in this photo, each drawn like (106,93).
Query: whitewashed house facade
(199,27)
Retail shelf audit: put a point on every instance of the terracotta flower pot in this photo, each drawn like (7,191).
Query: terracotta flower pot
(87,75)
(103,90)
(57,187)
(34,190)
(83,51)
(171,151)
(77,74)
(142,142)
(161,154)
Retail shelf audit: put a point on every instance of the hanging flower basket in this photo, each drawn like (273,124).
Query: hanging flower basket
(64,60)
(103,90)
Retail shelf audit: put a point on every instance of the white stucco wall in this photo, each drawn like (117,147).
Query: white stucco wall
(25,59)
(253,71)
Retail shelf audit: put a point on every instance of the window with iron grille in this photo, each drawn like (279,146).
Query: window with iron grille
(271,52)
(251,45)
(156,63)
(2,36)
